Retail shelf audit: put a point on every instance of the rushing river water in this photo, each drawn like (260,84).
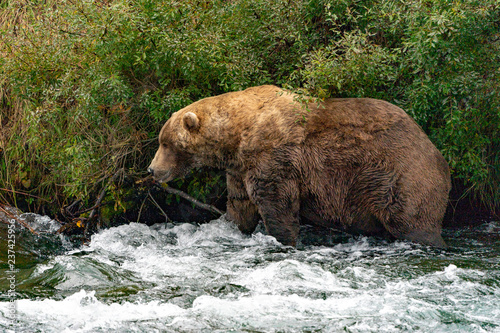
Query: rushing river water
(211,278)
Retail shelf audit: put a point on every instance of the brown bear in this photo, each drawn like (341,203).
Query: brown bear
(359,165)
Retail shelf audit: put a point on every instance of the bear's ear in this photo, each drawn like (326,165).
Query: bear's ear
(191,121)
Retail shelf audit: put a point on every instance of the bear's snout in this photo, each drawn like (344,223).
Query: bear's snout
(160,175)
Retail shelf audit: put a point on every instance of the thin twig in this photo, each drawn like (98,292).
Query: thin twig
(158,206)
(80,212)
(67,209)
(21,222)
(99,199)
(140,209)
(198,203)
(24,193)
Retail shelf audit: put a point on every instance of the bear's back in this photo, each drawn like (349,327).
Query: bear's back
(267,117)
(269,107)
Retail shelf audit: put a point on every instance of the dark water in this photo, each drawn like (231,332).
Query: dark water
(211,278)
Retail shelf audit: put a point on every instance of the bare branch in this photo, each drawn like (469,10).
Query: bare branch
(198,203)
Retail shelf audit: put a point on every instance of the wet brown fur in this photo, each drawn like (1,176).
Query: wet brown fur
(362,165)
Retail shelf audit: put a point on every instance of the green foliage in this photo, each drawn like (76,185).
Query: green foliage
(346,68)
(86,86)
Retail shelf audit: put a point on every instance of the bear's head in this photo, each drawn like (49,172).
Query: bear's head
(175,156)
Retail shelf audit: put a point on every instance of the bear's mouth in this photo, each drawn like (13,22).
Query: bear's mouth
(163,177)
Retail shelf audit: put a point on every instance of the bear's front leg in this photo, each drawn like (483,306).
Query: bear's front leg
(278,203)
(240,209)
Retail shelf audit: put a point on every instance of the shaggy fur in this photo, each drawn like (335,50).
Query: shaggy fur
(361,165)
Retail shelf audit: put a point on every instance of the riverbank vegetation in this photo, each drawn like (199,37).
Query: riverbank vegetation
(85,86)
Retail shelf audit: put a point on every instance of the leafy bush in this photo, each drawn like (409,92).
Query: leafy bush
(85,86)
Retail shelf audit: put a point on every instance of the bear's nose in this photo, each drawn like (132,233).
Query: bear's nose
(151,171)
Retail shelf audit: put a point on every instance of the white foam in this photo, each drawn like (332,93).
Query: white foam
(290,276)
(228,281)
(82,312)
(39,223)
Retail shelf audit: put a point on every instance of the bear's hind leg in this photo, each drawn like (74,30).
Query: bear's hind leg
(427,238)
(240,209)
(404,226)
